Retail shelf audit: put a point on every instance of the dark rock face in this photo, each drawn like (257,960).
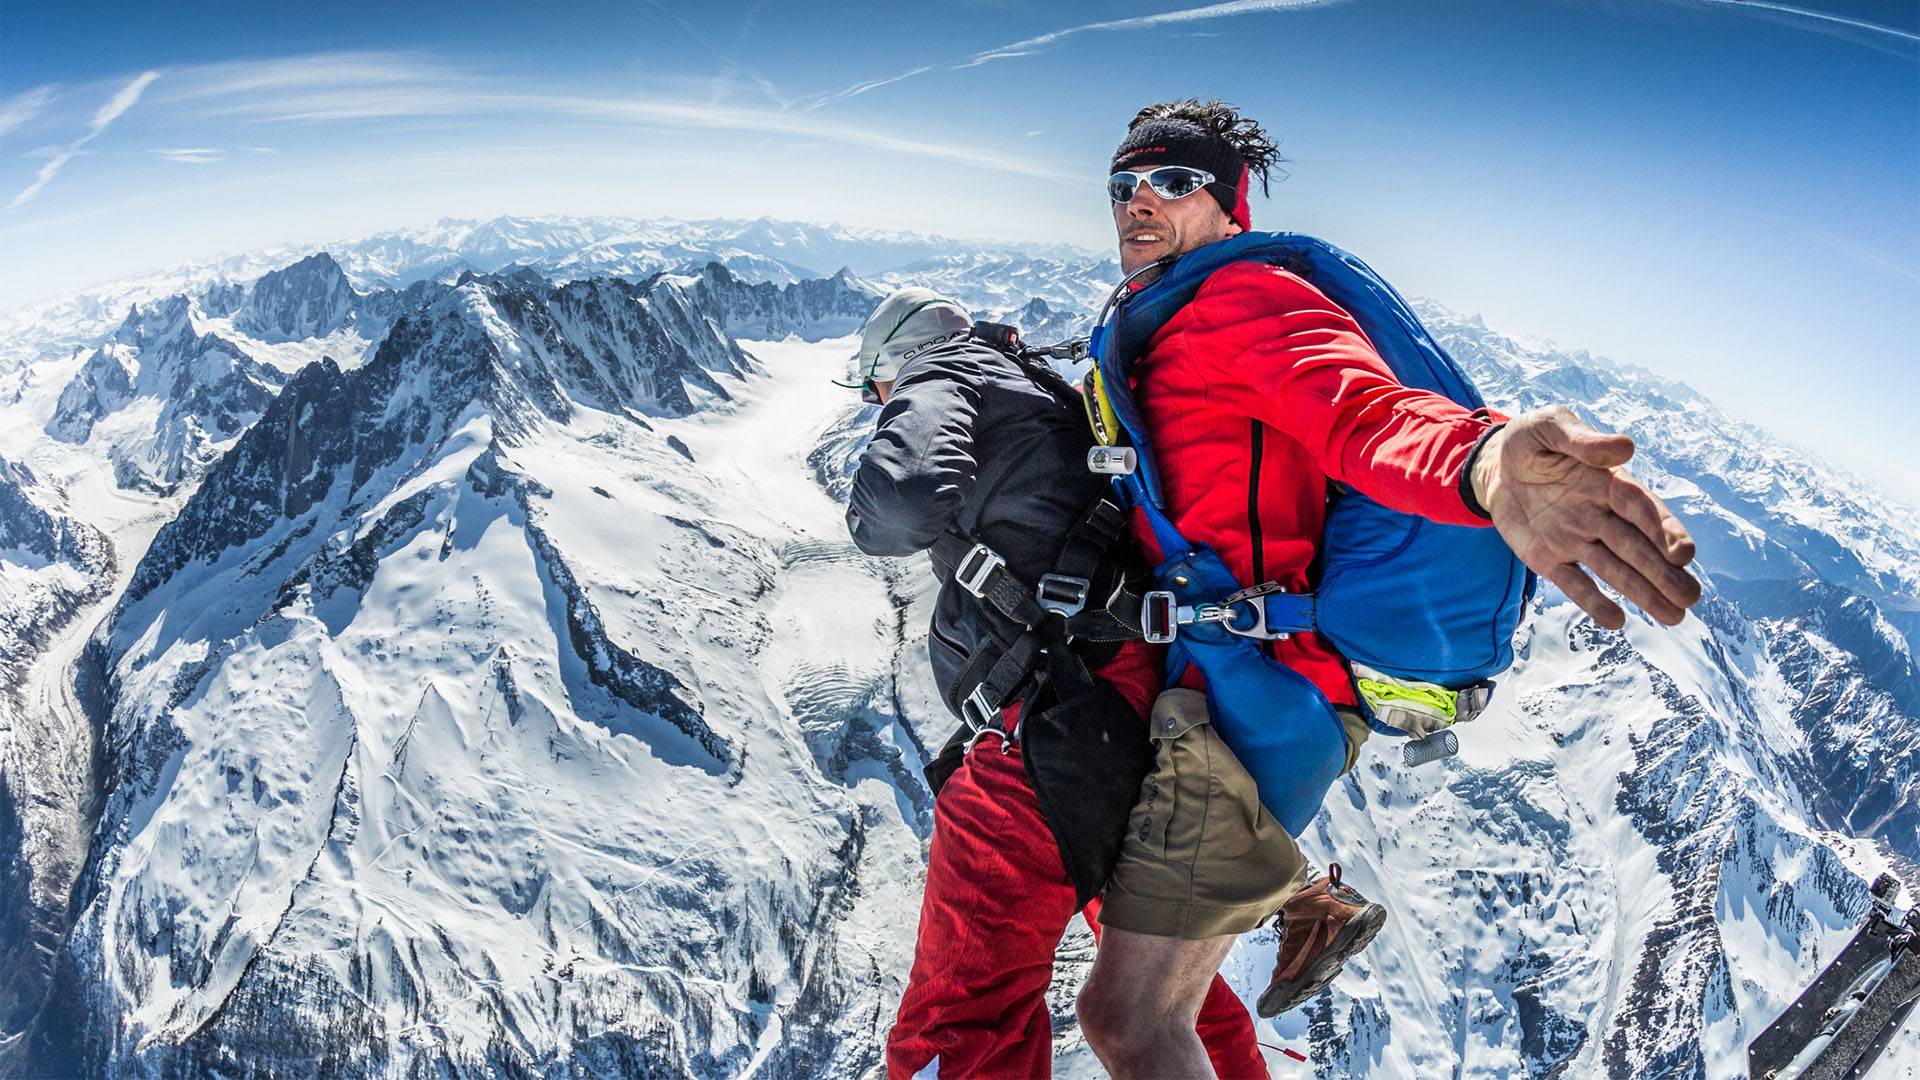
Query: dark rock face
(281,467)
(621,346)
(203,388)
(309,299)
(31,529)
(224,298)
(1040,324)
(102,385)
(812,309)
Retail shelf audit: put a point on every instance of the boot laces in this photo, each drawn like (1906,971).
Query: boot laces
(1341,891)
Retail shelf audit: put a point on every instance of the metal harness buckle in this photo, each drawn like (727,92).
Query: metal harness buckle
(976,566)
(1159,617)
(1256,598)
(980,716)
(1064,596)
(1226,613)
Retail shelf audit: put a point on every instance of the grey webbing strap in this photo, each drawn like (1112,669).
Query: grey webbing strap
(988,681)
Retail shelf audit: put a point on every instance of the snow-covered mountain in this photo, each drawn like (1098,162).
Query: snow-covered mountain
(310,299)
(164,395)
(498,692)
(983,276)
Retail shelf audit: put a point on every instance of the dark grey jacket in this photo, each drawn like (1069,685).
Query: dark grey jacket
(969,441)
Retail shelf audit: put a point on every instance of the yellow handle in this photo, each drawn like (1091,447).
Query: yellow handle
(1106,426)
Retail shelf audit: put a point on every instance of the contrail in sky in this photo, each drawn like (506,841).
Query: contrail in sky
(108,113)
(1032,44)
(1251,7)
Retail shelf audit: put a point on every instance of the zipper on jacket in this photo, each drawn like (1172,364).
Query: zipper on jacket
(1253,504)
(1253,516)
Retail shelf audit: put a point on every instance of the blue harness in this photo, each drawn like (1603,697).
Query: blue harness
(1403,595)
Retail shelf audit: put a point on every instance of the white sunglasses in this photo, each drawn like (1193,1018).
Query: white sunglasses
(1167,181)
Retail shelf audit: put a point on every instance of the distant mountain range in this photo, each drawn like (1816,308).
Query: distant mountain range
(995,279)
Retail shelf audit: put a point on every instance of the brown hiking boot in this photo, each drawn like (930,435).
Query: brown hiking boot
(1323,925)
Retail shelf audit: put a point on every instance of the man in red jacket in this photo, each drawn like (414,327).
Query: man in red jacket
(1260,393)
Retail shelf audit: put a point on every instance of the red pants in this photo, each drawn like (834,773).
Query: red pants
(998,900)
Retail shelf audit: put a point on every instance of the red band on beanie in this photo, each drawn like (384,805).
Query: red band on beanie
(1242,213)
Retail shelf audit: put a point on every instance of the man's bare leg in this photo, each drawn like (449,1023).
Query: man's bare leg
(1139,1005)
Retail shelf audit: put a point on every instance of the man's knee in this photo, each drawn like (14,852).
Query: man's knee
(1102,1019)
(1121,1030)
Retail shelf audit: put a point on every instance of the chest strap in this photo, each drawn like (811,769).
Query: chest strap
(992,675)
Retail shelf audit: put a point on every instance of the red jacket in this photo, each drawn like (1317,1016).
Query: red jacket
(1259,393)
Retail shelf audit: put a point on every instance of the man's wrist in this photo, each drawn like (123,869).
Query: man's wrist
(1476,488)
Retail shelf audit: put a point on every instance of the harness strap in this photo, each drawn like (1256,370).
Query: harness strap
(1066,591)
(1289,613)
(989,680)
(979,707)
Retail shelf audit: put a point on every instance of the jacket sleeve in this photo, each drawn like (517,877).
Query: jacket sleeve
(1279,351)
(919,468)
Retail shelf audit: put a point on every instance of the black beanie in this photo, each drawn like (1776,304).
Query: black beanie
(1167,140)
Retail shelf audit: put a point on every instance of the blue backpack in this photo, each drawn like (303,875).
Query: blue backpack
(1425,610)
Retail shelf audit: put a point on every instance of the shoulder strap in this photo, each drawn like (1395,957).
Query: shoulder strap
(1005,340)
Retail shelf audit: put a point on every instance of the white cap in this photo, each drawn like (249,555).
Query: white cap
(905,320)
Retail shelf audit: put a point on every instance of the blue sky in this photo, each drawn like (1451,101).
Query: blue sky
(1724,191)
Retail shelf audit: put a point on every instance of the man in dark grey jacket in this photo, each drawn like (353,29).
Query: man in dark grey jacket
(1018,487)
(974,441)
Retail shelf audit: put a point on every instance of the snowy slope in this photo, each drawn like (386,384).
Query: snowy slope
(523,832)
(503,695)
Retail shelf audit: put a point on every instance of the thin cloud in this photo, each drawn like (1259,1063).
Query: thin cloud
(1869,256)
(707,117)
(108,113)
(121,102)
(1034,44)
(1869,33)
(308,71)
(40,179)
(192,155)
(21,108)
(349,87)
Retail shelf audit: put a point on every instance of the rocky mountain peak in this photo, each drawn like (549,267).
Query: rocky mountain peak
(311,298)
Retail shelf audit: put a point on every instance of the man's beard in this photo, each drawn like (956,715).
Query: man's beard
(1169,245)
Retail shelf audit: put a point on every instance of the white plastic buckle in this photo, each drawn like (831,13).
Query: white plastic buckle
(1112,460)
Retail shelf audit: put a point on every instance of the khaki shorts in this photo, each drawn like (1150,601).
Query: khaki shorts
(1202,857)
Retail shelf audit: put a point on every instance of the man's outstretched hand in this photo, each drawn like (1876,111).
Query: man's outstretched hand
(1562,501)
